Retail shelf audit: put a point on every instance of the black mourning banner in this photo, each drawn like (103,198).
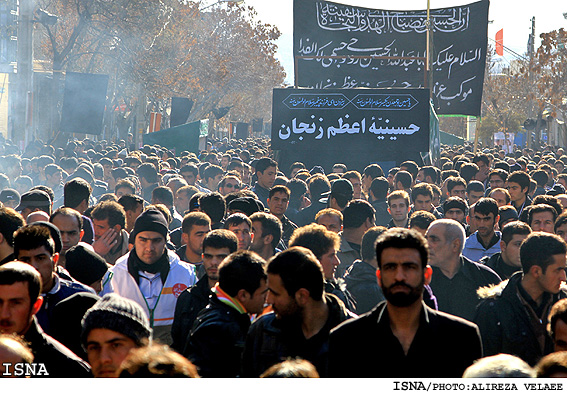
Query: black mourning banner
(382,120)
(341,46)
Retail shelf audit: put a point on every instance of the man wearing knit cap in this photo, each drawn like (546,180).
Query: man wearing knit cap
(150,274)
(111,328)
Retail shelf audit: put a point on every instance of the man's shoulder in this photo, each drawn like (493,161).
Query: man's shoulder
(480,271)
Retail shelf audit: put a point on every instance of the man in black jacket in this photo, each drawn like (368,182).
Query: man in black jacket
(217,338)
(513,316)
(20,289)
(402,336)
(455,278)
(303,314)
(217,245)
(507,262)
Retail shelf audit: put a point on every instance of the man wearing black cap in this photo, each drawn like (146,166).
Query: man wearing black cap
(34,200)
(150,274)
(111,328)
(339,196)
(86,266)
(10,198)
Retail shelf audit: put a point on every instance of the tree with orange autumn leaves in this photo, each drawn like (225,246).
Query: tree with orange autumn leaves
(221,57)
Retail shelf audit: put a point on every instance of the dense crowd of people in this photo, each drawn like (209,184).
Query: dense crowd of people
(124,262)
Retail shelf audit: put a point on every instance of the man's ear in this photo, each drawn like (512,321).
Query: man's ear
(37,305)
(55,258)
(379,277)
(427,274)
(268,239)
(185,238)
(302,296)
(536,271)
(2,239)
(81,235)
(242,296)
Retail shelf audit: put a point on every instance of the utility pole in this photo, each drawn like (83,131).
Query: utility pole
(531,53)
(23,105)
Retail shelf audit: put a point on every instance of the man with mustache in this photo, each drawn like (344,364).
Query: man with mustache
(402,336)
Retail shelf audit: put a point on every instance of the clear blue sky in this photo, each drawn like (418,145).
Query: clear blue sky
(514,16)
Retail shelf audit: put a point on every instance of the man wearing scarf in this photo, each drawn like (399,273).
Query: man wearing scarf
(216,341)
(150,274)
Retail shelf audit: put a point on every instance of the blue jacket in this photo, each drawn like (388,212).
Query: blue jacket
(475,251)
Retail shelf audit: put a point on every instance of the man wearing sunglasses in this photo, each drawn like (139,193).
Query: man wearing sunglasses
(229,184)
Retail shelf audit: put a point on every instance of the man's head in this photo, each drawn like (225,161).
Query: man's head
(228,184)
(379,189)
(370,172)
(456,186)
(183,197)
(541,217)
(455,208)
(483,163)
(70,224)
(10,221)
(76,194)
(217,245)
(399,205)
(331,218)
(214,205)
(368,245)
(513,234)
(148,174)
(422,195)
(497,178)
(518,185)
(34,200)
(403,180)
(110,329)
(20,289)
(446,240)
(266,171)
(108,215)
(323,243)
(420,221)
(34,245)
(340,195)
(189,172)
(133,207)
(241,226)
(195,226)
(267,230)
(427,174)
(543,257)
(242,276)
(162,195)
(475,190)
(402,256)
(278,200)
(295,279)
(557,325)
(501,196)
(86,266)
(150,235)
(485,216)
(358,214)
(356,180)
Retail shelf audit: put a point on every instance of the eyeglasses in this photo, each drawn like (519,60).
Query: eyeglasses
(230,185)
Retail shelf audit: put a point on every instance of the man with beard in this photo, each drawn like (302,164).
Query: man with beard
(416,341)
(303,314)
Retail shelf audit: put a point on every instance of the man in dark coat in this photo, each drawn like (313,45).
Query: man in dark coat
(303,315)
(20,281)
(513,316)
(402,336)
(217,338)
(455,278)
(217,245)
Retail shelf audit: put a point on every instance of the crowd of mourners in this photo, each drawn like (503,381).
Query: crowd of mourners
(125,261)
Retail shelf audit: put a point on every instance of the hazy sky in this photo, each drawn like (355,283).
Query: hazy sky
(514,16)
